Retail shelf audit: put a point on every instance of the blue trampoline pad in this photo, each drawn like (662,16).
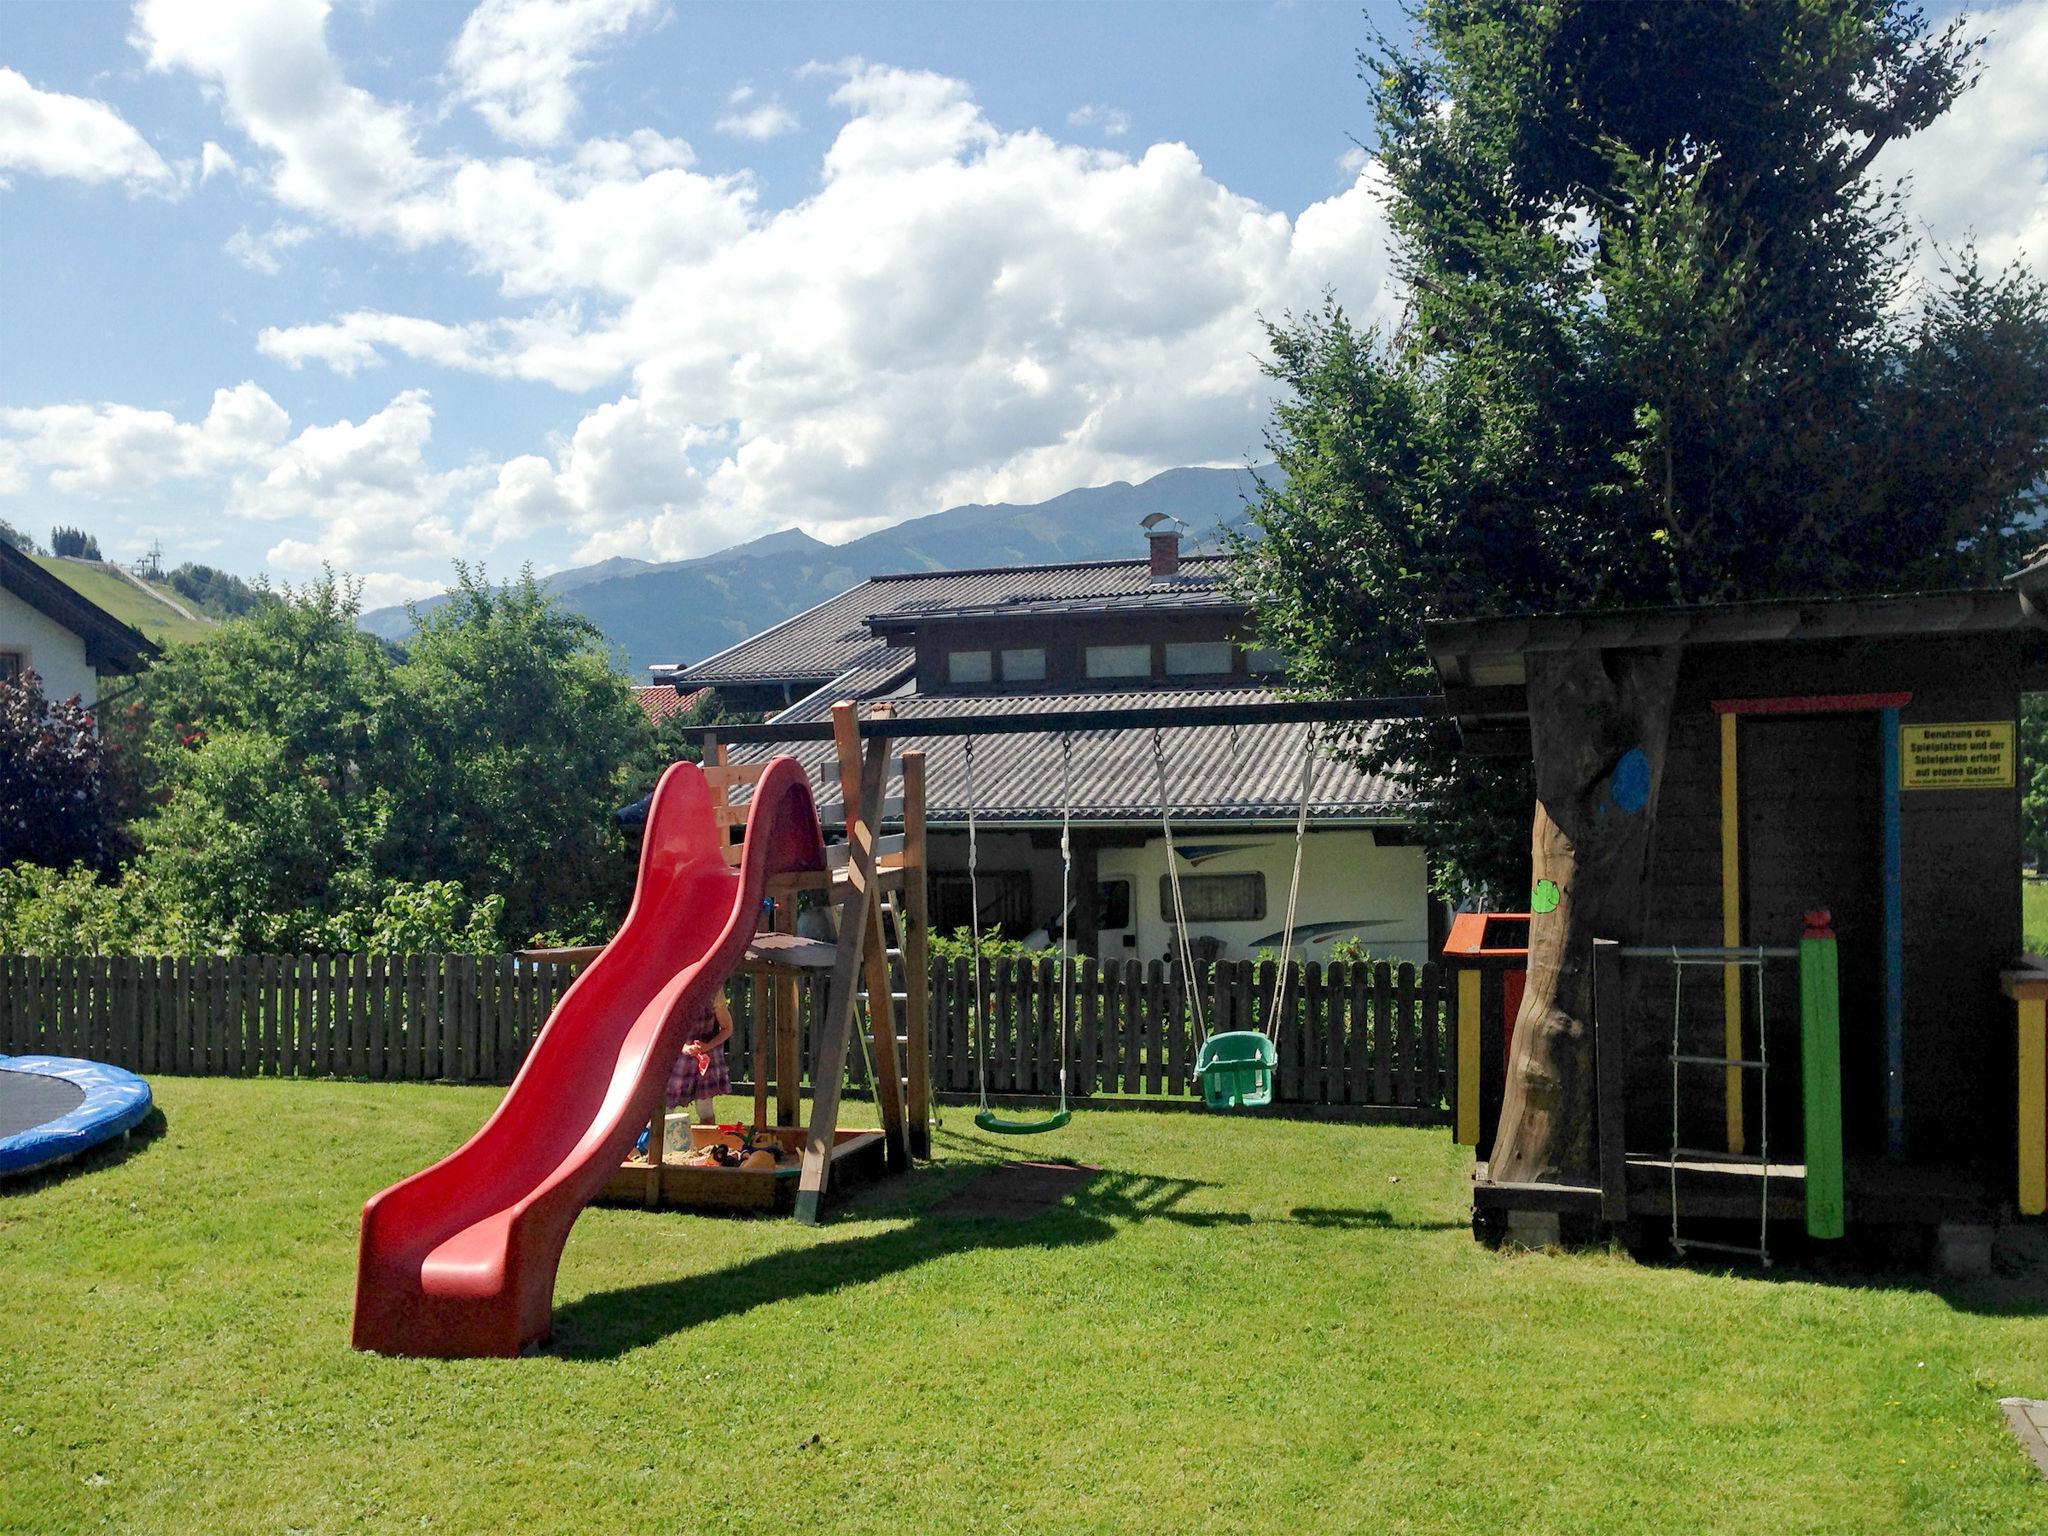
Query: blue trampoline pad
(55,1107)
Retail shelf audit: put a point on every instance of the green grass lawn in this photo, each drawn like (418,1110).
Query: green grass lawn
(120,597)
(1239,1326)
(2034,915)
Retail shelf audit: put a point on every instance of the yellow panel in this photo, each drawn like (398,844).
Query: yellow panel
(1731,933)
(1468,1058)
(2033,1074)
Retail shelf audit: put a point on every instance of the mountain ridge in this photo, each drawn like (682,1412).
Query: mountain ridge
(685,610)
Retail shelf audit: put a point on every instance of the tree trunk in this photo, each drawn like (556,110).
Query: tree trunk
(1599,721)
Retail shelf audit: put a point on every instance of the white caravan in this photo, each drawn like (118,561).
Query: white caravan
(1353,886)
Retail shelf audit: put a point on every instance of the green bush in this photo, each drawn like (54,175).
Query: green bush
(958,945)
(73,912)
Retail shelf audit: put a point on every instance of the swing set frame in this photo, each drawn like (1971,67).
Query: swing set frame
(872,860)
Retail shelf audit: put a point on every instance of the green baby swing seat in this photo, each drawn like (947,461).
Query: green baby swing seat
(1236,1069)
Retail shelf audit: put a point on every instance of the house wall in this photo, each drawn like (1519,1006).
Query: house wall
(1959,886)
(56,654)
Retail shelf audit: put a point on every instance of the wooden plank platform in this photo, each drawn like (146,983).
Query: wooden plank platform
(856,1157)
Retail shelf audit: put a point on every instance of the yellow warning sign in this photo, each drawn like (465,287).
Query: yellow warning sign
(1960,754)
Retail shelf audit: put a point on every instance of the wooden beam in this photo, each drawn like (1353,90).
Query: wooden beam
(864,843)
(835,1031)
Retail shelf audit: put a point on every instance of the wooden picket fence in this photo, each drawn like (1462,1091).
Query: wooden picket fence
(458,1017)
(1365,1036)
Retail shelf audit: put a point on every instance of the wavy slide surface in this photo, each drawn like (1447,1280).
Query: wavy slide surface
(460,1259)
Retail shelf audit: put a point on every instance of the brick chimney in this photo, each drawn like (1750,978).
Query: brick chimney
(1162,534)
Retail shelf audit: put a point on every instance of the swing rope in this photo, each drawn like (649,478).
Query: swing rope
(1279,999)
(987,1118)
(1180,906)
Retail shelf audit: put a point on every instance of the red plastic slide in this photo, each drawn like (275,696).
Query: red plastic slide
(460,1259)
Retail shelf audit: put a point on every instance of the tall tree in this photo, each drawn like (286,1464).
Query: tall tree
(526,741)
(1654,352)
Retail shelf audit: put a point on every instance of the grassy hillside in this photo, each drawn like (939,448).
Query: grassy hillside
(155,617)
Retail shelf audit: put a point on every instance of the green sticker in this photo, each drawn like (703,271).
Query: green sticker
(1544,897)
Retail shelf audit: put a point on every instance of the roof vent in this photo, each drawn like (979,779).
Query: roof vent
(1162,532)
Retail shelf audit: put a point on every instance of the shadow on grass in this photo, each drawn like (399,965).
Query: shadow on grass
(1896,1259)
(117,1150)
(1101,1202)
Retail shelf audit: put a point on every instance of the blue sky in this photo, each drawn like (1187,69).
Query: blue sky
(381,285)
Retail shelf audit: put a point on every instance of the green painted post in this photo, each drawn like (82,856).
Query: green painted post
(1820,1073)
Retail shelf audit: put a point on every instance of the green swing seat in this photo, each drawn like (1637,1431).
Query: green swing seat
(1236,1069)
(989,1120)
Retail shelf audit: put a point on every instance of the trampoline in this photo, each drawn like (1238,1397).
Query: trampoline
(55,1107)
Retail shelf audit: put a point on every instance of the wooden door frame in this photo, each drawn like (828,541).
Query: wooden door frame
(1886,707)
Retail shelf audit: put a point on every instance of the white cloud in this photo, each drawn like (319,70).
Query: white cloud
(362,496)
(1982,168)
(47,133)
(548,347)
(516,60)
(1113,121)
(259,253)
(954,312)
(763,122)
(213,161)
(122,451)
(365,487)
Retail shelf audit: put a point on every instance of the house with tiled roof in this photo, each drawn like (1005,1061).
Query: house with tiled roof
(662,701)
(1156,632)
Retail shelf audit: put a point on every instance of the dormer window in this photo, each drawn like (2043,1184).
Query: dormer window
(970,667)
(1115,661)
(1024,665)
(1199,658)
(1264,661)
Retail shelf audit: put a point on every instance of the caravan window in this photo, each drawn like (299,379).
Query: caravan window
(1217,898)
(1115,904)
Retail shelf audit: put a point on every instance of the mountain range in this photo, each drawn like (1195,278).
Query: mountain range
(685,610)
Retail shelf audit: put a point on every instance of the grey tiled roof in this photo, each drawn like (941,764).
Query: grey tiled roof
(834,636)
(1211,775)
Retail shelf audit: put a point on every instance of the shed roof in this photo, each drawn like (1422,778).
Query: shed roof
(822,642)
(110,645)
(1479,661)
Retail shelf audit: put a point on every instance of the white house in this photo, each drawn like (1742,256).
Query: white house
(1160,632)
(69,641)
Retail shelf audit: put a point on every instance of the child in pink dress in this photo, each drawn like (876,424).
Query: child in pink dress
(700,1072)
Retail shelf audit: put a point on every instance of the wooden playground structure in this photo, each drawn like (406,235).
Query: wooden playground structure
(874,884)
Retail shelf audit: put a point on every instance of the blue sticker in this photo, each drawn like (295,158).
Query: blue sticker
(1629,785)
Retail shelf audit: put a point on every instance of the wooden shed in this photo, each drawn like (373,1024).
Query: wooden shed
(1854,756)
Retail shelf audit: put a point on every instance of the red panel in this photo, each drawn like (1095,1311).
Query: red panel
(460,1259)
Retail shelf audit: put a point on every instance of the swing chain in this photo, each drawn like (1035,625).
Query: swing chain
(1279,999)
